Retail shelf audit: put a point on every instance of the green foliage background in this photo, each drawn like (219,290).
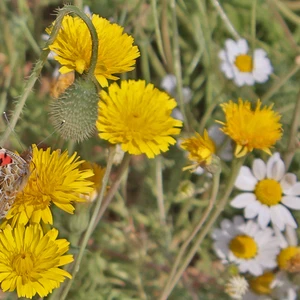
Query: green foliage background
(130,254)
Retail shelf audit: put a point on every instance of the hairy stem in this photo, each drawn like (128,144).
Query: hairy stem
(236,165)
(92,224)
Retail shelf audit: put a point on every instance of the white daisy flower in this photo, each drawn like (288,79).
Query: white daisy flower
(260,287)
(252,249)
(243,68)
(283,288)
(269,191)
(169,84)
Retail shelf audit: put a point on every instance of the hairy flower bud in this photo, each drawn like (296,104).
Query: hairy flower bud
(77,107)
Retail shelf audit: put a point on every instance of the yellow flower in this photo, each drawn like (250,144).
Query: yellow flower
(251,129)
(201,150)
(289,259)
(137,116)
(30,260)
(73,46)
(55,177)
(96,179)
(261,285)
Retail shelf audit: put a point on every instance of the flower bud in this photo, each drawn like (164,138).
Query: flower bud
(77,107)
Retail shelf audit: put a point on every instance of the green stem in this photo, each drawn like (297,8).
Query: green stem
(253,25)
(186,244)
(43,58)
(287,12)
(292,143)
(225,19)
(166,36)
(92,223)
(7,82)
(157,30)
(279,83)
(115,186)
(236,165)
(177,64)
(160,191)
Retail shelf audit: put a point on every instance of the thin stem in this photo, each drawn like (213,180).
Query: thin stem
(236,165)
(253,25)
(40,63)
(8,78)
(166,36)
(177,64)
(279,19)
(92,223)
(160,191)
(292,143)
(287,12)
(225,19)
(186,244)
(279,83)
(157,30)
(115,186)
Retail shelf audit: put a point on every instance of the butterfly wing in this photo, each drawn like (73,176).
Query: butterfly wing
(14,173)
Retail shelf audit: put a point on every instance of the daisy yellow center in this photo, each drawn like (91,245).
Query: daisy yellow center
(23,263)
(268,192)
(243,246)
(261,285)
(286,255)
(244,63)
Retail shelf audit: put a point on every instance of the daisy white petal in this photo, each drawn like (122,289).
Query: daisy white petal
(259,169)
(245,180)
(291,202)
(252,211)
(243,200)
(287,182)
(275,167)
(276,217)
(293,190)
(264,216)
(287,216)
(243,46)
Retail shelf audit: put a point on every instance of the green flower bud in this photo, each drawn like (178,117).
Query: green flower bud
(77,107)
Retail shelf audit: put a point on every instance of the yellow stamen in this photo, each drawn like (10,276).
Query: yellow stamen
(243,246)
(261,284)
(268,192)
(286,256)
(244,63)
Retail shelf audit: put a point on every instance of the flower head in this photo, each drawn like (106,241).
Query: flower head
(268,193)
(201,149)
(236,287)
(30,260)
(73,46)
(243,68)
(96,179)
(251,129)
(261,285)
(245,244)
(137,116)
(55,178)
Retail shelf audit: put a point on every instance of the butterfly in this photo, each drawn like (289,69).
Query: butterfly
(14,173)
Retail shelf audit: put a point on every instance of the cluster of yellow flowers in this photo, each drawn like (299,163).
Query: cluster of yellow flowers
(133,114)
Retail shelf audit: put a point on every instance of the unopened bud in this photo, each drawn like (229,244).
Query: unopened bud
(78,107)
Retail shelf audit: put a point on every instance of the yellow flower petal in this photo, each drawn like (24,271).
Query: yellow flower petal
(137,116)
(251,129)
